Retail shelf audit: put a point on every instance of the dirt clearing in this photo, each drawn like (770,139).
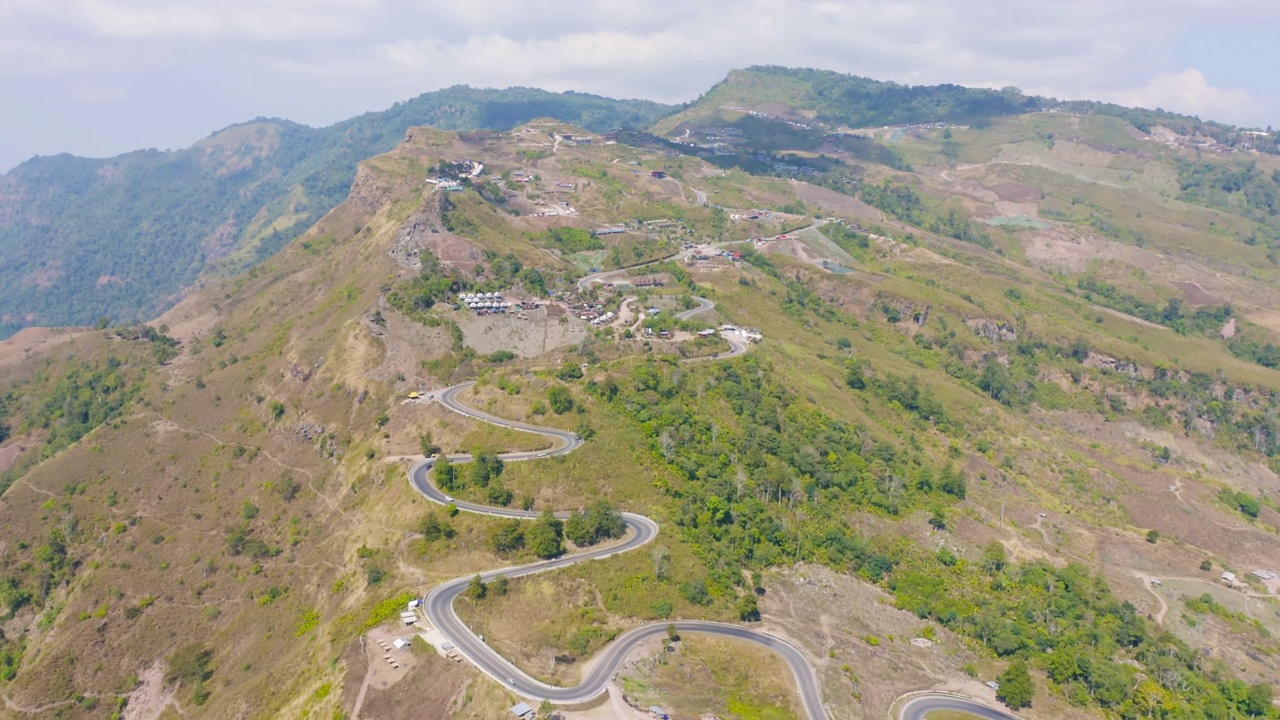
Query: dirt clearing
(425,682)
(34,340)
(862,646)
(702,674)
(536,334)
(834,202)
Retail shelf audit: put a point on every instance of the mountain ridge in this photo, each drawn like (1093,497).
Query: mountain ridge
(981,371)
(147,225)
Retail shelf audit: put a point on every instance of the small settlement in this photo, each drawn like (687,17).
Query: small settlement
(485,303)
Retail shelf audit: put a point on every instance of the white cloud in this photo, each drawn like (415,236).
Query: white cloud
(27,58)
(322,60)
(204,19)
(1189,92)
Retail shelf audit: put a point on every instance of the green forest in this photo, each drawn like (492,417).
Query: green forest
(863,102)
(762,479)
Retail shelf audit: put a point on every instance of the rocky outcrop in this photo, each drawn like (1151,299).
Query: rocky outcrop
(367,191)
(994,330)
(1106,362)
(412,238)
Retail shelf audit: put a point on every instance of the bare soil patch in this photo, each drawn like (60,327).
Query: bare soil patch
(1228,329)
(1197,295)
(34,340)
(9,455)
(976,190)
(1016,192)
(539,333)
(46,277)
(151,698)
(189,319)
(1178,500)
(824,612)
(1016,209)
(1063,250)
(833,202)
(424,680)
(1269,319)
(833,618)
(456,251)
(404,343)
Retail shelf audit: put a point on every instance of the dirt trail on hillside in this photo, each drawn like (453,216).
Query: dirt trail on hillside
(1147,582)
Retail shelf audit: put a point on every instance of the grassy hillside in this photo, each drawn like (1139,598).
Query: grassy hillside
(124,237)
(1007,382)
(837,99)
(858,101)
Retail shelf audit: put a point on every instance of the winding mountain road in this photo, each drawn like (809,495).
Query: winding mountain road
(703,305)
(918,706)
(439,611)
(640,531)
(737,346)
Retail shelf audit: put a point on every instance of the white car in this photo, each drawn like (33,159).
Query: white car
(449,498)
(542,455)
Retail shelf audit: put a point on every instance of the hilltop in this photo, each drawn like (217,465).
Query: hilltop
(126,237)
(1009,375)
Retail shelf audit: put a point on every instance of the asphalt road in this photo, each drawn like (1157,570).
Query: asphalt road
(917,707)
(736,346)
(703,305)
(640,531)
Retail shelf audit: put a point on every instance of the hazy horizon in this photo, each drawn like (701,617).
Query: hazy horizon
(102,77)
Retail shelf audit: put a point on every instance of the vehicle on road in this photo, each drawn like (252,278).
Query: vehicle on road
(542,455)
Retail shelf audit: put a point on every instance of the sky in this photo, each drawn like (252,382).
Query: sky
(101,77)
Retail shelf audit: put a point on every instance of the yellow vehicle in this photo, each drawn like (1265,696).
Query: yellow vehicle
(414,395)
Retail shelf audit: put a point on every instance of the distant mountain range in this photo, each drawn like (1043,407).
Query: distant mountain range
(123,237)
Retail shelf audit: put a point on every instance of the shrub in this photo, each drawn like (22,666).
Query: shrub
(1016,687)
(477,590)
(192,663)
(695,591)
(546,536)
(508,537)
(560,399)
